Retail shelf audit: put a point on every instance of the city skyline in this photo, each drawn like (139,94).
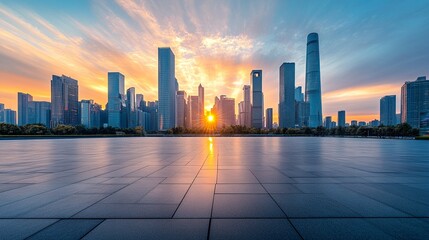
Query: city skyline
(216,54)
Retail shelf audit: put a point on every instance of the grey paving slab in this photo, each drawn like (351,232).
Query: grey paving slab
(128,210)
(166,194)
(197,203)
(403,228)
(252,229)
(240,188)
(333,229)
(66,229)
(245,206)
(151,229)
(22,228)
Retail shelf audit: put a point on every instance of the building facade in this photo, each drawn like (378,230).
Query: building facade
(388,110)
(116,98)
(342,118)
(287,95)
(224,111)
(269,118)
(181,109)
(131,108)
(313,93)
(166,89)
(414,101)
(39,112)
(247,107)
(23,101)
(64,101)
(257,112)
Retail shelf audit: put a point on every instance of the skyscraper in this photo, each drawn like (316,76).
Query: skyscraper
(328,122)
(85,112)
(201,103)
(224,110)
(64,101)
(194,111)
(313,93)
(257,99)
(414,101)
(287,95)
(299,96)
(1,112)
(341,118)
(388,110)
(269,118)
(166,89)
(131,107)
(9,116)
(241,113)
(23,101)
(139,100)
(181,109)
(247,107)
(39,112)
(116,98)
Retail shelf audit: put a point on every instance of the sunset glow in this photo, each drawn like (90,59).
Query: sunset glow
(216,43)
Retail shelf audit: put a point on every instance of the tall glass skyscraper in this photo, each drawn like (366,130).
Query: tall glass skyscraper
(415,101)
(166,89)
(388,110)
(201,103)
(23,101)
(341,118)
(247,107)
(313,93)
(116,98)
(64,101)
(287,95)
(131,108)
(39,112)
(269,118)
(257,99)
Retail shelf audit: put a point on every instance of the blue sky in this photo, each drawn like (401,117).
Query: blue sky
(368,48)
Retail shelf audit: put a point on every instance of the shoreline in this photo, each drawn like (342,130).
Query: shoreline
(35,137)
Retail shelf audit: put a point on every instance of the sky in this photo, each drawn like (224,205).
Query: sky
(368,49)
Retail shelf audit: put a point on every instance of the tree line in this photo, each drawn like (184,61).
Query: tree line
(400,130)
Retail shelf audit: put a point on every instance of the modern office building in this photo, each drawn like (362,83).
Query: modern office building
(116,99)
(287,95)
(328,122)
(85,112)
(9,116)
(1,112)
(166,89)
(152,109)
(181,109)
(140,101)
(302,114)
(23,101)
(194,111)
(361,124)
(374,123)
(299,96)
(64,101)
(224,111)
(247,107)
(257,99)
(269,118)
(414,101)
(131,108)
(313,93)
(39,112)
(241,114)
(354,123)
(342,118)
(201,104)
(388,110)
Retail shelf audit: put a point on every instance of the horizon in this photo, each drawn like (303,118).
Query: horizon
(358,65)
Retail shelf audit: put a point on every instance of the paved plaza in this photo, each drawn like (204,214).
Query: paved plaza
(214,188)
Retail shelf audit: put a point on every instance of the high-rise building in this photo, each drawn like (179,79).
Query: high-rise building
(361,123)
(241,113)
(139,101)
(414,101)
(166,89)
(354,123)
(224,111)
(1,112)
(116,99)
(39,112)
(374,123)
(64,101)
(257,99)
(388,110)
(9,116)
(194,111)
(152,109)
(269,118)
(23,101)
(299,96)
(342,118)
(85,112)
(131,108)
(313,93)
(287,95)
(201,103)
(302,113)
(181,109)
(247,107)
(328,122)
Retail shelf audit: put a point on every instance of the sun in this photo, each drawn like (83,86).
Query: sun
(210,118)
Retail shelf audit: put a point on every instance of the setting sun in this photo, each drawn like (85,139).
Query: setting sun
(210,118)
